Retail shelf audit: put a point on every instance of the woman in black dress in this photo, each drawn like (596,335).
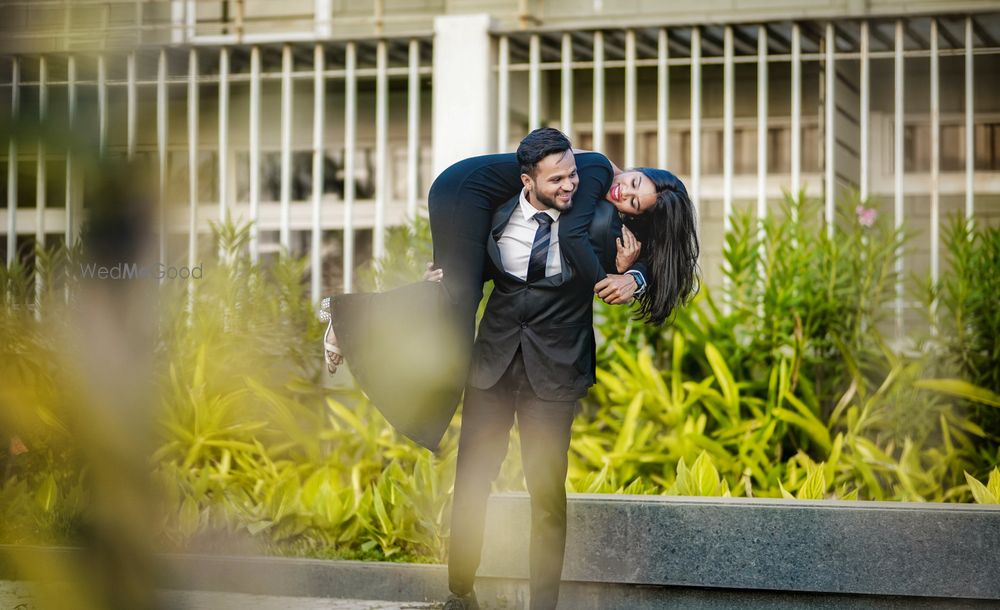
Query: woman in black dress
(422,378)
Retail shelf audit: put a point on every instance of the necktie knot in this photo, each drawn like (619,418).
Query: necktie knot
(542,218)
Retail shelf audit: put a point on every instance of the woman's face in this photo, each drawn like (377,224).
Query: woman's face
(632,193)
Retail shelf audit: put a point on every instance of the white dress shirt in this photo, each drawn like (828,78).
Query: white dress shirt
(518,237)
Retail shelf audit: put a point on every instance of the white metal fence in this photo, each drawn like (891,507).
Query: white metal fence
(334,70)
(838,56)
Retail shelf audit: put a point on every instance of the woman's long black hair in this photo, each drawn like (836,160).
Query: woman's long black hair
(669,238)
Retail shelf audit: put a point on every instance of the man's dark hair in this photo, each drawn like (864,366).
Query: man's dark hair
(539,144)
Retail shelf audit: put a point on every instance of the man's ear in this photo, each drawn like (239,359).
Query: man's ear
(527,182)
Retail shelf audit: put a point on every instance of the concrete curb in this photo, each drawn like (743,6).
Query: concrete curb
(870,548)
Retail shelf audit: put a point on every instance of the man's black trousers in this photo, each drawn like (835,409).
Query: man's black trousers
(544,428)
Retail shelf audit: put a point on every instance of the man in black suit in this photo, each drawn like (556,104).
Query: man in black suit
(533,358)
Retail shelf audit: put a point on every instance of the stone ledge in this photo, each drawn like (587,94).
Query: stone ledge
(871,548)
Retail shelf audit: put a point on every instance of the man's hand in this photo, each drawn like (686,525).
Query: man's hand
(628,250)
(432,274)
(616,289)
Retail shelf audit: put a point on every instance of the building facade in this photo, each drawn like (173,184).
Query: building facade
(324,121)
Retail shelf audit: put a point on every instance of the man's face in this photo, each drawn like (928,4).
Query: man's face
(554,182)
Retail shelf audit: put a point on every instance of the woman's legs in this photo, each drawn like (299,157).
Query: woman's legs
(460,206)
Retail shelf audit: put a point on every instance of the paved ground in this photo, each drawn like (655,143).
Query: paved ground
(16,596)
(189,600)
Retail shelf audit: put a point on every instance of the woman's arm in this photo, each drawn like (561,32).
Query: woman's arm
(617,170)
(574,227)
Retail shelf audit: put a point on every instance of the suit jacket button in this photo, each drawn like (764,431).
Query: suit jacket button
(524,325)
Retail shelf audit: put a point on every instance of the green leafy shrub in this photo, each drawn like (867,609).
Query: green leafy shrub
(779,385)
(786,368)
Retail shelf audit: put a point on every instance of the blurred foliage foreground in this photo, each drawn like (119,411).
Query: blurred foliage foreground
(781,385)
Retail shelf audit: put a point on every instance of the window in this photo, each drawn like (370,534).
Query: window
(987,146)
(917,147)
(231,16)
(301,174)
(177,184)
(744,150)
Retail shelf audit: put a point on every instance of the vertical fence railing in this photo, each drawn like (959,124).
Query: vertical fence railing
(254,154)
(102,105)
(381,147)
(864,91)
(566,86)
(935,155)
(412,128)
(130,110)
(192,146)
(728,93)
(286,148)
(898,167)
(193,113)
(630,86)
(318,156)
(695,187)
(69,201)
(350,119)
(12,160)
(503,93)
(223,173)
(161,153)
(970,152)
(829,128)
(662,98)
(762,92)
(534,82)
(795,148)
(598,123)
(43,104)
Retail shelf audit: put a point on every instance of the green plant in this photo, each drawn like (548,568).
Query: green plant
(787,365)
(985,494)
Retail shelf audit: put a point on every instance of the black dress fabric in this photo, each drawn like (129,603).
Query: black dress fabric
(409,348)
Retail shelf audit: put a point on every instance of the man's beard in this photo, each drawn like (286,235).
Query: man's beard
(552,202)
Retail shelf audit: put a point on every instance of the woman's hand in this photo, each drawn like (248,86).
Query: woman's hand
(432,274)
(628,250)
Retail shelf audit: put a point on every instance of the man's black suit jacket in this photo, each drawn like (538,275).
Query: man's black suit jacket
(550,319)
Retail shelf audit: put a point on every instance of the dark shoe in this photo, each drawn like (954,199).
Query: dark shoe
(462,602)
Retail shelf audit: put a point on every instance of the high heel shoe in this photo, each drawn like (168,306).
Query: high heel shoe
(331,352)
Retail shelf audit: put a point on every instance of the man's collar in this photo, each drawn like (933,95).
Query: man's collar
(529,210)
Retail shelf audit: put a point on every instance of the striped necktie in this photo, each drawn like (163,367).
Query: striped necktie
(540,247)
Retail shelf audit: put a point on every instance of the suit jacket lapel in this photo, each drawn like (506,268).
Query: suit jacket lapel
(500,219)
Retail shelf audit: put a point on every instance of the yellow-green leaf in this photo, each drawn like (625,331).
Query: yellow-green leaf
(47,493)
(980,492)
(728,385)
(961,389)
(994,483)
(814,487)
(627,435)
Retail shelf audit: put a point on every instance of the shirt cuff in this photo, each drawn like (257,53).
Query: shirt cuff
(641,280)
